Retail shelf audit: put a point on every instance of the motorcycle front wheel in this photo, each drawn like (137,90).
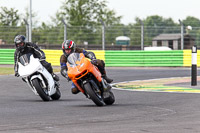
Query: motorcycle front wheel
(94,94)
(43,92)
(110,99)
(57,95)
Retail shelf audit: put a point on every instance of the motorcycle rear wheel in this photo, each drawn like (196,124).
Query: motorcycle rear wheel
(40,90)
(96,98)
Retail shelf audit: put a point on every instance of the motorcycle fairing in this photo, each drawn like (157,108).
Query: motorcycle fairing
(33,66)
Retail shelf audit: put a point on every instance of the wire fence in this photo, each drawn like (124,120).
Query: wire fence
(94,35)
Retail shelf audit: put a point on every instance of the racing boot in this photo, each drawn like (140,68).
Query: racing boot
(75,90)
(55,77)
(103,72)
(108,80)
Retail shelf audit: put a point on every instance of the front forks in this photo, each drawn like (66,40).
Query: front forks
(106,86)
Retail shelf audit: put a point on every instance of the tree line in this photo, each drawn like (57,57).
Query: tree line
(84,24)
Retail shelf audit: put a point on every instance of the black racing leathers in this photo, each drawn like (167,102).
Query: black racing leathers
(37,53)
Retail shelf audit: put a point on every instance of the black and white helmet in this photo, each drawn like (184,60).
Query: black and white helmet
(68,44)
(18,40)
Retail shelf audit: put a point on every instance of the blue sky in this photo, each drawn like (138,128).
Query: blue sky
(129,9)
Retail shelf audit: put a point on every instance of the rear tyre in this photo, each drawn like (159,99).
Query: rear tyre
(43,92)
(94,94)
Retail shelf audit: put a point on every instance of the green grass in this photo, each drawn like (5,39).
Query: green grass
(6,70)
(10,70)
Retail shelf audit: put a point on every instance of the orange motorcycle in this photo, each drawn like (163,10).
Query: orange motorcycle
(88,80)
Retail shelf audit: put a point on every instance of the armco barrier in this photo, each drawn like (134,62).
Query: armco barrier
(7,56)
(120,58)
(144,58)
(52,56)
(187,61)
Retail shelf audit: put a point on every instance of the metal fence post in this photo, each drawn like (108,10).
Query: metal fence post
(65,29)
(142,35)
(27,29)
(103,35)
(30,23)
(182,34)
(194,66)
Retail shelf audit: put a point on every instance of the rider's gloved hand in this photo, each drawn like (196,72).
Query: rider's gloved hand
(42,61)
(94,61)
(17,74)
(89,55)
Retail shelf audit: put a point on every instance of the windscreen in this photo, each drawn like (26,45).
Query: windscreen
(73,58)
(25,59)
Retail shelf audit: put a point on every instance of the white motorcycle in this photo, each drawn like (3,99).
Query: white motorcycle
(38,78)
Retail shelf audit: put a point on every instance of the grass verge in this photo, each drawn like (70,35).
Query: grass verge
(6,70)
(10,70)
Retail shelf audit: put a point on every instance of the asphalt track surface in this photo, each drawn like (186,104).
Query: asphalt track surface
(133,112)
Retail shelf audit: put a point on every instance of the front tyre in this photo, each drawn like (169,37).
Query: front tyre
(94,94)
(110,99)
(57,95)
(43,92)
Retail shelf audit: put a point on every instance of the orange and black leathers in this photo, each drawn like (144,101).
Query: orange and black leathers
(63,62)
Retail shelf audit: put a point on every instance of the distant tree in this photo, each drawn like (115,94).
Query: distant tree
(87,13)
(153,26)
(26,16)
(48,34)
(135,32)
(9,22)
(192,21)
(156,25)
(9,17)
(114,31)
(195,31)
(84,16)
(197,36)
